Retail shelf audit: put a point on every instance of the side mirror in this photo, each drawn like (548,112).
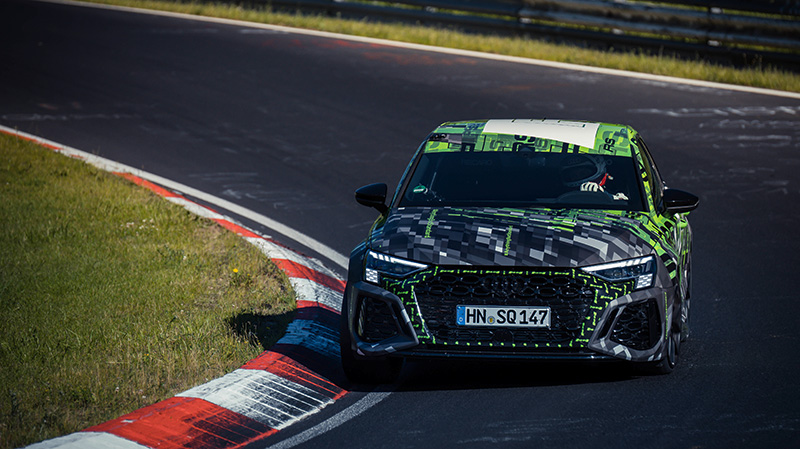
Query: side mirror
(373,195)
(678,201)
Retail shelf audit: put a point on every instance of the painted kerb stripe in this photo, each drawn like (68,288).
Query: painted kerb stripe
(265,395)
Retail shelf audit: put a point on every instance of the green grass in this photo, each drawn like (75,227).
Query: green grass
(763,77)
(112,298)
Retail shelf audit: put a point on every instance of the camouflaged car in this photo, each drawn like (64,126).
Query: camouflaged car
(534,239)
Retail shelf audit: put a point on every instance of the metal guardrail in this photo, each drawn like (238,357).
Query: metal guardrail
(739,31)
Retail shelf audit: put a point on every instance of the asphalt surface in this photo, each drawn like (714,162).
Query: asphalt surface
(290,125)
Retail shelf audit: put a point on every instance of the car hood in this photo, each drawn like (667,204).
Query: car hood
(506,237)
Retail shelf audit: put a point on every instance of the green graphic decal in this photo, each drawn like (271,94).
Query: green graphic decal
(431,221)
(534,239)
(507,246)
(611,140)
(576,300)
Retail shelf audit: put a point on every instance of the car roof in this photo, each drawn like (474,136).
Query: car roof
(540,135)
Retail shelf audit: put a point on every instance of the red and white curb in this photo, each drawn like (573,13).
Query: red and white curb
(268,393)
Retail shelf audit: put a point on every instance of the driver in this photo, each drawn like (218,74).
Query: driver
(596,186)
(584,171)
(589,173)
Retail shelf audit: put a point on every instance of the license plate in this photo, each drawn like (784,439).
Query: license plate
(524,316)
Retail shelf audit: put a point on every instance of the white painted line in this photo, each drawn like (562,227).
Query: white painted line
(442,50)
(275,251)
(195,208)
(261,396)
(363,404)
(87,440)
(112,166)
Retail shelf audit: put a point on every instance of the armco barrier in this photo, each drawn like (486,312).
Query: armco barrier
(765,32)
(265,395)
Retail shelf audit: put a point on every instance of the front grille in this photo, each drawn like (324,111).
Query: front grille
(638,326)
(569,294)
(376,321)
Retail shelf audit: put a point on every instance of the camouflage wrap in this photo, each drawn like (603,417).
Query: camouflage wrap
(508,237)
(602,294)
(506,246)
(609,140)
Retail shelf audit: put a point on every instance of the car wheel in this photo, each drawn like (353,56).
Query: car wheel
(686,306)
(366,371)
(669,358)
(685,320)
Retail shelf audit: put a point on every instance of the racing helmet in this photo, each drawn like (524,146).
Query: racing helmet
(577,169)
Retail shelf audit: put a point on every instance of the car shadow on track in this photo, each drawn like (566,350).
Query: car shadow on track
(430,375)
(264,331)
(260,330)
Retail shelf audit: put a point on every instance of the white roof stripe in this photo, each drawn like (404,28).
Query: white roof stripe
(577,133)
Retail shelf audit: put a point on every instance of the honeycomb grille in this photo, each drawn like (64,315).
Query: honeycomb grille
(569,299)
(638,326)
(376,321)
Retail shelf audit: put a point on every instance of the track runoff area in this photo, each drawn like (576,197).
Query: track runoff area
(265,395)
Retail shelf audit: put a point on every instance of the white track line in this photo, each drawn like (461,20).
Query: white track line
(112,166)
(363,404)
(431,48)
(275,251)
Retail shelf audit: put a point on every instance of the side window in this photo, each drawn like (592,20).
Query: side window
(652,172)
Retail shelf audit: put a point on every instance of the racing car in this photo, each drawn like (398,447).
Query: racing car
(521,239)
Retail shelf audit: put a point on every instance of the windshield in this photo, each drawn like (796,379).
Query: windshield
(524,179)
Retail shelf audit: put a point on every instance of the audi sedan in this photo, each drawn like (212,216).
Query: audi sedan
(529,239)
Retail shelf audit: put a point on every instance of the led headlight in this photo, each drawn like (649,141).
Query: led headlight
(643,270)
(384,265)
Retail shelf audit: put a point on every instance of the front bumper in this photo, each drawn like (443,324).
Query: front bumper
(599,320)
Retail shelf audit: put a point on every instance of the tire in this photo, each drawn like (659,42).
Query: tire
(686,306)
(671,354)
(685,324)
(670,358)
(366,370)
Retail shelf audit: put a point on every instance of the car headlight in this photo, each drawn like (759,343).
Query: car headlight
(643,270)
(384,265)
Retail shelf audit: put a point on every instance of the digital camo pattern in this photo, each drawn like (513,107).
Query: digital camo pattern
(604,293)
(508,237)
(538,241)
(610,140)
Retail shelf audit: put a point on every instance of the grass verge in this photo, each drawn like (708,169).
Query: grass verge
(763,77)
(112,298)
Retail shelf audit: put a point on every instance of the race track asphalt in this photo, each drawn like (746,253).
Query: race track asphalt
(289,125)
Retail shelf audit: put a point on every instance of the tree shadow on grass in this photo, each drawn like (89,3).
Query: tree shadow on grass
(258,329)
